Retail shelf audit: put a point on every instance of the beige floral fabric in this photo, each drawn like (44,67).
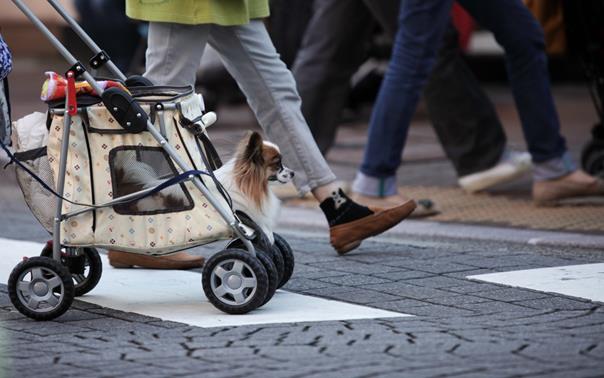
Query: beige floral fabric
(147,234)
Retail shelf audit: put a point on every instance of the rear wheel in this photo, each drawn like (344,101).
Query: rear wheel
(85,266)
(288,258)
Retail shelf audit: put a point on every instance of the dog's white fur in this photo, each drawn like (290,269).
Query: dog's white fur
(264,213)
(265,216)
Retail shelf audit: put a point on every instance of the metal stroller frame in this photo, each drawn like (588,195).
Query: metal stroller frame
(249,238)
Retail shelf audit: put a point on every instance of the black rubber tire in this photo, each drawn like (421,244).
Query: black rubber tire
(258,269)
(275,255)
(592,158)
(288,258)
(67,288)
(95,269)
(271,270)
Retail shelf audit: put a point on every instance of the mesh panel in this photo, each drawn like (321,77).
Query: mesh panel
(41,202)
(135,168)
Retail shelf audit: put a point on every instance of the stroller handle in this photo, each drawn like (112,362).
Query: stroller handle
(86,38)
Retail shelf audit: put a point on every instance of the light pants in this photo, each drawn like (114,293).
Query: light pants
(248,54)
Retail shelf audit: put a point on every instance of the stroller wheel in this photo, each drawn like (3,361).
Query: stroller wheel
(41,288)
(85,278)
(271,271)
(288,258)
(592,158)
(234,281)
(275,256)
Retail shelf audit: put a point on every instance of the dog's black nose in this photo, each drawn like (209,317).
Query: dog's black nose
(291,174)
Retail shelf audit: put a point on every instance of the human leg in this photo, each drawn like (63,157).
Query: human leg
(270,89)
(464,119)
(421,27)
(174,52)
(332,50)
(556,175)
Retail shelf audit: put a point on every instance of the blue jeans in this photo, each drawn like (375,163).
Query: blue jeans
(422,24)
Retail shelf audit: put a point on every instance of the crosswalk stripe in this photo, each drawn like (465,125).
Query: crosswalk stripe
(177,296)
(582,281)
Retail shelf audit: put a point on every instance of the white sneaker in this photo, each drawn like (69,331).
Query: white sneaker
(511,166)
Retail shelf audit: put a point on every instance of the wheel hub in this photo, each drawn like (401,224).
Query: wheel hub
(40,288)
(234,282)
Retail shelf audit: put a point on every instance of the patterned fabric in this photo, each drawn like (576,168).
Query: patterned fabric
(6,62)
(145,234)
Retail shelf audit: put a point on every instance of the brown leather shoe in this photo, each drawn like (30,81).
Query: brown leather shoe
(575,186)
(348,236)
(424,208)
(178,260)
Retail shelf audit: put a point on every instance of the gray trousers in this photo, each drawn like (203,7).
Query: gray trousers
(173,57)
(332,50)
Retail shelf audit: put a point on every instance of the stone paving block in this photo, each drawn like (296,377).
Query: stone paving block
(129,316)
(467,273)
(471,289)
(362,296)
(400,305)
(431,267)
(437,311)
(439,282)
(354,280)
(556,303)
(510,294)
(347,266)
(408,291)
(403,275)
(496,307)
(10,315)
(455,300)
(303,284)
(113,324)
(74,314)
(41,328)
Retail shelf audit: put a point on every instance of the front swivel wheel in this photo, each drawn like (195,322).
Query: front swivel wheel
(235,281)
(41,288)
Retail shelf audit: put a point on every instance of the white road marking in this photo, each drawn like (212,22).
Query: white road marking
(582,281)
(177,296)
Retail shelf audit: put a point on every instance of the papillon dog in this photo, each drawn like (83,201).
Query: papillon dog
(247,177)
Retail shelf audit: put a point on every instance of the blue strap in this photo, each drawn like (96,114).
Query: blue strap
(173,181)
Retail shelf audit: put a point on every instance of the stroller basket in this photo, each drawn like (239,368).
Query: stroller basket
(102,156)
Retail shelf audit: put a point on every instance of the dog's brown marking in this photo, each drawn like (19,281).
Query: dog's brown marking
(255,162)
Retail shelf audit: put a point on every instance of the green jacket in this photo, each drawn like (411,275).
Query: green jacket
(193,12)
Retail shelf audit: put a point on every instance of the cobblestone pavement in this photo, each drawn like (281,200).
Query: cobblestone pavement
(461,328)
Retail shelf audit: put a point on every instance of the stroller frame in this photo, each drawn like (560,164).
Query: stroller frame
(247,236)
(227,215)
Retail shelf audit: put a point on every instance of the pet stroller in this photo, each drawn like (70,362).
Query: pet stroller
(71,166)
(585,36)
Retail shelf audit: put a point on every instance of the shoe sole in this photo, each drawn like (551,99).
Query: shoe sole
(476,185)
(150,262)
(395,215)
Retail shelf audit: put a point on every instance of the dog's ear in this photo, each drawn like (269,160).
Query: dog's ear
(253,148)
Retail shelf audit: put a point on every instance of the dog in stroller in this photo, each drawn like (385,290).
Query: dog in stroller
(246,178)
